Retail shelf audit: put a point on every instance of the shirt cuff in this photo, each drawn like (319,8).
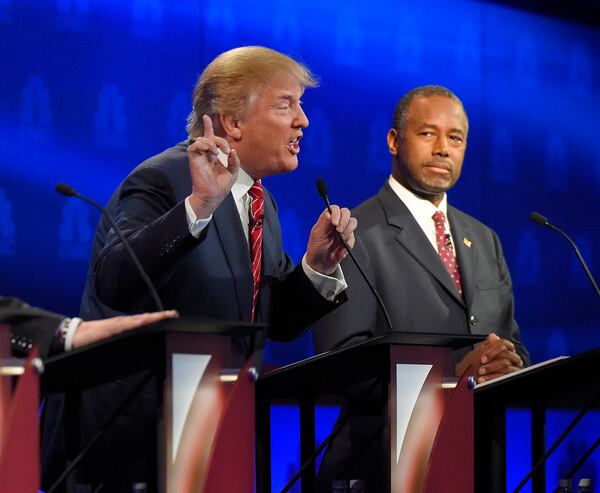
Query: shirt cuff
(69,327)
(195,225)
(329,287)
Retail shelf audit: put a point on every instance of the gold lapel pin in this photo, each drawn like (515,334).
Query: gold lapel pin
(467,242)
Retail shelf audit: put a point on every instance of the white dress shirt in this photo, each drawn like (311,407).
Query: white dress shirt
(422,210)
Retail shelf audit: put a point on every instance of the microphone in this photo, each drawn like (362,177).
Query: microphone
(322,190)
(257,224)
(69,191)
(542,221)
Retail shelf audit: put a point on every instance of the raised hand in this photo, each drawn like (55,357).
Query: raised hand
(325,251)
(211,179)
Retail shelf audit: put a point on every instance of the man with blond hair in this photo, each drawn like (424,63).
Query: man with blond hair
(197,215)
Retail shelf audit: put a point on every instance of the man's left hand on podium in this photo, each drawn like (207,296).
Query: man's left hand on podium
(495,357)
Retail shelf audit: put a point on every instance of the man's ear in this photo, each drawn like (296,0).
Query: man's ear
(392,140)
(231,126)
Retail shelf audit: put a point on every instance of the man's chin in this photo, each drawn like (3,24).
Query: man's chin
(437,187)
(288,166)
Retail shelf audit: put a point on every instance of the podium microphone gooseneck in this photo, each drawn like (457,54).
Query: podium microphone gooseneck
(542,221)
(322,189)
(69,191)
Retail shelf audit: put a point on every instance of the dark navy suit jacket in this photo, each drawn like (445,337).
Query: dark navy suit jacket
(209,276)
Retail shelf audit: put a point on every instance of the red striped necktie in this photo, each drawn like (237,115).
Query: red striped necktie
(257,209)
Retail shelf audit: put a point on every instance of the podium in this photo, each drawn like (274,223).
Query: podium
(202,396)
(423,409)
(19,436)
(569,383)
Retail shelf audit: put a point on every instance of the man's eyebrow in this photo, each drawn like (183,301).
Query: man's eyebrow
(453,130)
(286,97)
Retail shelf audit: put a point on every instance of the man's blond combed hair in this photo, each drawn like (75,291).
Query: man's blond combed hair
(231,81)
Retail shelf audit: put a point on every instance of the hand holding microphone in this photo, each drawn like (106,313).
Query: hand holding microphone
(322,189)
(331,238)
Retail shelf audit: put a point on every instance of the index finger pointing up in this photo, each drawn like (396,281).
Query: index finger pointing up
(208,127)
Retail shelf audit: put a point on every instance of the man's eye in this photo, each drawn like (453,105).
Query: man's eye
(426,134)
(456,138)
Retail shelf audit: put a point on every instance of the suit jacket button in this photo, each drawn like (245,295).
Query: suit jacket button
(473,320)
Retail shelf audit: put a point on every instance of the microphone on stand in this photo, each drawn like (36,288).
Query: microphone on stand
(322,189)
(257,224)
(69,191)
(542,221)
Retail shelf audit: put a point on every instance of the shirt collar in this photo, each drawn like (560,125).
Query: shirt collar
(242,185)
(420,208)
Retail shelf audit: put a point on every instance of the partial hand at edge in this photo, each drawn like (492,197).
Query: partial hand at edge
(325,251)
(96,330)
(211,181)
(497,357)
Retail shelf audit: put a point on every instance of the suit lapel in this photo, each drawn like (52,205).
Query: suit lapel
(235,247)
(414,240)
(270,253)
(466,253)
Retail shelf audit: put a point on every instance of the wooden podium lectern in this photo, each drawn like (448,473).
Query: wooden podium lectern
(205,430)
(428,416)
(19,432)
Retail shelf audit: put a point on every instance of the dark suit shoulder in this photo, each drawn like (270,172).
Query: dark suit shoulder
(167,170)
(175,155)
(369,213)
(466,220)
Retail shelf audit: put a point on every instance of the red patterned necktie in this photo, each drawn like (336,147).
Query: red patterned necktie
(257,209)
(445,249)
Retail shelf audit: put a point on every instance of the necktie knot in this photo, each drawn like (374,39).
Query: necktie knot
(439,219)
(256,191)
(257,201)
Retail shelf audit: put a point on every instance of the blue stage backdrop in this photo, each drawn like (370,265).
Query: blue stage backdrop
(91,88)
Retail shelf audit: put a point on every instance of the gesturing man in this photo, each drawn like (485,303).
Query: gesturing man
(208,234)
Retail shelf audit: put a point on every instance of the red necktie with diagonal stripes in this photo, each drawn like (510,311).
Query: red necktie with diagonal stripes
(445,249)
(257,209)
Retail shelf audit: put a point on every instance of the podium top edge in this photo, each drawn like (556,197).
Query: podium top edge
(397,338)
(190,325)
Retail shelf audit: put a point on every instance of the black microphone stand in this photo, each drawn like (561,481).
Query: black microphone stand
(542,221)
(322,189)
(68,191)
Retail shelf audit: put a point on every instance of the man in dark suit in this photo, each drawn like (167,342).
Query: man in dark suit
(196,215)
(437,269)
(186,211)
(53,333)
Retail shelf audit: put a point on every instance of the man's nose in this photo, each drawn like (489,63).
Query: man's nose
(441,146)
(301,119)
